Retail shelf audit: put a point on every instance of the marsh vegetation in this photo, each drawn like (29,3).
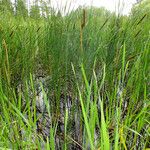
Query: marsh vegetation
(79,81)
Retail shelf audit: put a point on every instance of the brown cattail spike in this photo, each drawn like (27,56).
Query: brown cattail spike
(83,19)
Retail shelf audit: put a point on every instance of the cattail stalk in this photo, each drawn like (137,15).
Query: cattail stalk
(83,22)
(7,68)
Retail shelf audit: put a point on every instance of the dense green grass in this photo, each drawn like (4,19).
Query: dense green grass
(98,59)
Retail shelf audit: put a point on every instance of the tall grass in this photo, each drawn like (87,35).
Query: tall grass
(91,58)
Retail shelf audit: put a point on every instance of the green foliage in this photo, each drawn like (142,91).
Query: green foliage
(97,58)
(35,12)
(6,6)
(21,9)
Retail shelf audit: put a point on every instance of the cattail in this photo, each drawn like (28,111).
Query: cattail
(141,19)
(83,22)
(137,33)
(104,23)
(38,29)
(7,68)
(11,34)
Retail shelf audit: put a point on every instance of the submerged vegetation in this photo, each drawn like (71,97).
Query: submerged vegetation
(79,81)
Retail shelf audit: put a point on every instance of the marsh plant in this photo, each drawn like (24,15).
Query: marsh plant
(74,81)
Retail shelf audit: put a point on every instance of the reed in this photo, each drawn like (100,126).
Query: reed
(75,81)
